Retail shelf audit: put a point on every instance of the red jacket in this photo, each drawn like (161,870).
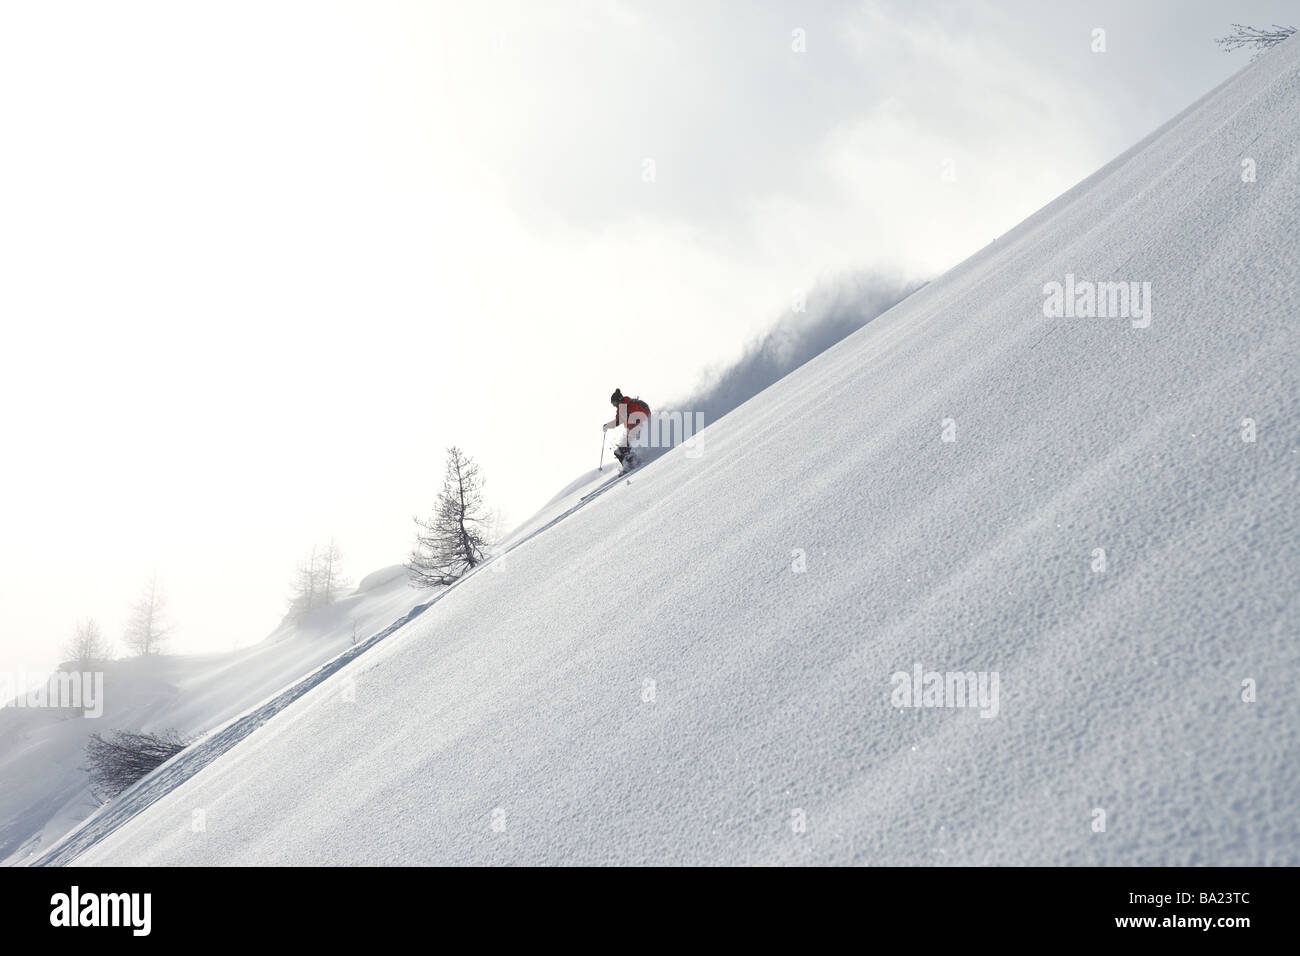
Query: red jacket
(631,412)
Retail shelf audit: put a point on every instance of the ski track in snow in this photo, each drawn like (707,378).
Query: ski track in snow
(194,758)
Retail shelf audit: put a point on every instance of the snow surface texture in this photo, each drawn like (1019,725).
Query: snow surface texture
(515,721)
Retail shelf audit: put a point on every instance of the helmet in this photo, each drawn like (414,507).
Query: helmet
(617,397)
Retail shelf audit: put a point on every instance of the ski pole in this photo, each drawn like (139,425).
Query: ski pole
(602,452)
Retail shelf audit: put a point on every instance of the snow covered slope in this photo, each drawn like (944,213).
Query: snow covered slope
(651,680)
(43,788)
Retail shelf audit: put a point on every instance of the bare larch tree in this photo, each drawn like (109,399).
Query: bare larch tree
(147,628)
(318,582)
(302,594)
(453,540)
(87,646)
(332,581)
(1258,39)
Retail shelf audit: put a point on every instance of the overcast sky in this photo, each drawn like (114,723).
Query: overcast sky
(260,263)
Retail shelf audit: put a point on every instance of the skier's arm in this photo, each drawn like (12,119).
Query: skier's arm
(620,418)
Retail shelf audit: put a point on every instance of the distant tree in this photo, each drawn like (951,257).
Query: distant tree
(147,628)
(1258,39)
(452,541)
(332,581)
(302,596)
(125,756)
(87,646)
(496,525)
(318,581)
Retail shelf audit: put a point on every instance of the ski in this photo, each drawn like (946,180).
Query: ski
(603,485)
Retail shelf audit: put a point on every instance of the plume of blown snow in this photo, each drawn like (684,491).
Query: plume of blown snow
(833,311)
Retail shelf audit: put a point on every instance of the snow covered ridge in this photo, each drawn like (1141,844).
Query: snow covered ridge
(389,588)
(972,487)
(200,753)
(45,724)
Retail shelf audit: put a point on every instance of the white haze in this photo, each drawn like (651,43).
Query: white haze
(249,250)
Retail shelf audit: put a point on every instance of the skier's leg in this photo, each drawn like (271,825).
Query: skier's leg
(629,458)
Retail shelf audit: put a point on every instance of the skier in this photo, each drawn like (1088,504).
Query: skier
(632,414)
